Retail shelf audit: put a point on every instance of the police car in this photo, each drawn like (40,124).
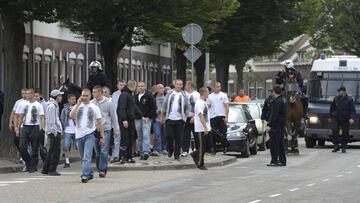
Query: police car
(326,76)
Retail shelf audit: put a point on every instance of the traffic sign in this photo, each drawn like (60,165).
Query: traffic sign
(192,54)
(192,33)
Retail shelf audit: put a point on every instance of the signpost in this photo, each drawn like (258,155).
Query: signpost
(192,34)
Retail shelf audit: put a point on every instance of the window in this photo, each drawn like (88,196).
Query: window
(236,115)
(268,86)
(36,72)
(26,70)
(62,71)
(55,75)
(45,77)
(79,69)
(70,71)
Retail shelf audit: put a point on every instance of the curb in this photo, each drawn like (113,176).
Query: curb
(224,162)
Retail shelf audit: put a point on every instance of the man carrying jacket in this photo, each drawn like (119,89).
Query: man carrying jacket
(126,116)
(342,113)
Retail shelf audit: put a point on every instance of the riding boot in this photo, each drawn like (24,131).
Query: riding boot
(305,106)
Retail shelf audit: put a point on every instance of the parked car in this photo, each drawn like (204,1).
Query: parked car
(242,132)
(254,108)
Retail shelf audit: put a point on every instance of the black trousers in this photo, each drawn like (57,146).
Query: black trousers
(127,136)
(174,133)
(30,135)
(200,143)
(344,138)
(189,127)
(277,149)
(217,123)
(53,157)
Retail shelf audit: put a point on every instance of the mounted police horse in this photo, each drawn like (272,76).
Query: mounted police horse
(69,88)
(295,111)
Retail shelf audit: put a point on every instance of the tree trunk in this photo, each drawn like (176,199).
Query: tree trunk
(239,66)
(110,50)
(222,71)
(200,71)
(180,63)
(12,48)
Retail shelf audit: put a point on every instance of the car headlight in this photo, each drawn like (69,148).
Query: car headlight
(313,119)
(236,134)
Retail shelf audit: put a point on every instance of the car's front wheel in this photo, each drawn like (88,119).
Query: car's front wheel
(253,149)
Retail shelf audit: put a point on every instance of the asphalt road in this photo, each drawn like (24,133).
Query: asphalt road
(317,175)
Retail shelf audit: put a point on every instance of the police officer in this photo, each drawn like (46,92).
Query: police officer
(342,112)
(266,110)
(97,76)
(290,72)
(276,129)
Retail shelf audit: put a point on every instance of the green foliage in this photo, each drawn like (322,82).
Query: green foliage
(337,25)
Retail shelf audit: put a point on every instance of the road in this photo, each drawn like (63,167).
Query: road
(317,175)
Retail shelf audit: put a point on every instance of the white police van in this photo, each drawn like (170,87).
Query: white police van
(326,76)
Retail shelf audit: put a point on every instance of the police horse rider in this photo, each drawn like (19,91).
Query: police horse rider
(297,104)
(97,76)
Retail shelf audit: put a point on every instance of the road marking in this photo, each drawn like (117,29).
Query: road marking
(256,201)
(30,179)
(2,185)
(294,189)
(15,181)
(67,173)
(358,166)
(311,184)
(349,172)
(275,195)
(45,176)
(339,176)
(326,179)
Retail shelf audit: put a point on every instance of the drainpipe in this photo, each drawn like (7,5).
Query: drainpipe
(32,55)
(86,60)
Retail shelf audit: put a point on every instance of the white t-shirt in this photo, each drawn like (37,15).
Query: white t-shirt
(20,105)
(86,119)
(16,106)
(70,129)
(140,95)
(192,97)
(216,104)
(32,112)
(201,107)
(175,110)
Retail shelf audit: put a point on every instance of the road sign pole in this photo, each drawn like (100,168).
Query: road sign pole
(207,70)
(192,55)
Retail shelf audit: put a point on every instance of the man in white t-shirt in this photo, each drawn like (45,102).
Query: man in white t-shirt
(202,128)
(32,120)
(218,103)
(192,96)
(175,110)
(88,119)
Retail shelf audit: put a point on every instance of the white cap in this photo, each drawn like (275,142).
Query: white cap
(55,93)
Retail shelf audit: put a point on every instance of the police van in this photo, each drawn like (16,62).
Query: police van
(326,76)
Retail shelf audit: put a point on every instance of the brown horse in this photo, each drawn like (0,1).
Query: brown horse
(294,115)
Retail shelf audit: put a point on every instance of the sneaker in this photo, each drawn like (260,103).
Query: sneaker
(164,152)
(184,154)
(54,173)
(85,179)
(31,170)
(66,165)
(131,161)
(115,160)
(155,153)
(146,156)
(45,172)
(202,168)
(122,161)
(177,159)
(24,169)
(102,174)
(336,148)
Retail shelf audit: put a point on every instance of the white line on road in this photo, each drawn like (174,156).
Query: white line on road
(326,179)
(294,189)
(256,201)
(275,195)
(30,179)
(311,184)
(358,166)
(339,176)
(349,172)
(2,185)
(15,181)
(67,173)
(46,176)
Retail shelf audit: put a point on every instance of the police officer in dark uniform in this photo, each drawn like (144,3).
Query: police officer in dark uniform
(97,76)
(342,112)
(266,110)
(291,72)
(276,129)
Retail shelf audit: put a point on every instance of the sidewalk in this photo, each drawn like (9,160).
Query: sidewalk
(153,163)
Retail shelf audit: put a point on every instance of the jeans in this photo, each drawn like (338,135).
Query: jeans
(53,157)
(85,146)
(116,150)
(102,152)
(30,136)
(68,139)
(143,128)
(159,136)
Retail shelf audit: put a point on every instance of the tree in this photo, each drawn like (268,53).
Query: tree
(117,23)
(13,15)
(335,24)
(257,28)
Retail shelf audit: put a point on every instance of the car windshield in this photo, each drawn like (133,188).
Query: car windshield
(324,89)
(236,115)
(253,109)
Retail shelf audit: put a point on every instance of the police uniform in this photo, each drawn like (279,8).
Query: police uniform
(277,125)
(342,109)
